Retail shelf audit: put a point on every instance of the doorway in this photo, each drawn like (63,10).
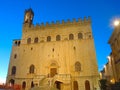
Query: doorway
(12,82)
(87,85)
(75,84)
(58,85)
(53,72)
(24,85)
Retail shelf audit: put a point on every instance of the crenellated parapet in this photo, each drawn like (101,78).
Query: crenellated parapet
(79,21)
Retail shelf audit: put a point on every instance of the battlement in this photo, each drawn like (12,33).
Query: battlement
(79,21)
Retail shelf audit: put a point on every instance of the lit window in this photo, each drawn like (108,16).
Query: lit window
(15,56)
(80,36)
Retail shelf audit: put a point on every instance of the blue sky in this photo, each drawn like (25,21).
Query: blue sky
(102,13)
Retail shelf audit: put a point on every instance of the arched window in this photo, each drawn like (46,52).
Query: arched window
(75,85)
(58,38)
(87,85)
(18,43)
(28,40)
(15,42)
(49,38)
(13,70)
(80,36)
(32,68)
(36,40)
(24,85)
(77,66)
(15,56)
(71,36)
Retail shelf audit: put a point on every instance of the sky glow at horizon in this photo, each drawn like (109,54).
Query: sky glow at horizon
(12,16)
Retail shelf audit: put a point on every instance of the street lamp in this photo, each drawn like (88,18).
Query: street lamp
(116,22)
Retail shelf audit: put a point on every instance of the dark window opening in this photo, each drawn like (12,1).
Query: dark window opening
(31,70)
(28,40)
(48,38)
(58,38)
(71,36)
(13,70)
(36,40)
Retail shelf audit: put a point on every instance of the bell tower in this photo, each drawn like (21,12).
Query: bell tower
(28,17)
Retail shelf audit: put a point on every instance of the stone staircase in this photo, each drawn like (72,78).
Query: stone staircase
(48,83)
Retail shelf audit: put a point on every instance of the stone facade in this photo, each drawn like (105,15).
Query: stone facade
(108,71)
(60,55)
(114,42)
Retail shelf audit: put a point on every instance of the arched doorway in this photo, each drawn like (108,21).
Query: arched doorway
(87,85)
(58,85)
(53,72)
(32,84)
(24,85)
(75,85)
(12,82)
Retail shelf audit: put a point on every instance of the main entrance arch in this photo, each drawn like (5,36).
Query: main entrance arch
(53,68)
(53,72)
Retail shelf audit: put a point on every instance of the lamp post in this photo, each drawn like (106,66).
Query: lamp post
(116,22)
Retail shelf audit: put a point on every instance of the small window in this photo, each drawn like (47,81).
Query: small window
(13,70)
(58,38)
(15,56)
(53,49)
(71,36)
(15,43)
(77,66)
(49,38)
(32,68)
(28,40)
(80,36)
(31,48)
(36,40)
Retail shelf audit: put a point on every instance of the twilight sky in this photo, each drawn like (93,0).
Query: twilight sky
(102,13)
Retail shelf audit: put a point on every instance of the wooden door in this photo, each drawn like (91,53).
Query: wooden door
(75,84)
(53,72)
(87,85)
